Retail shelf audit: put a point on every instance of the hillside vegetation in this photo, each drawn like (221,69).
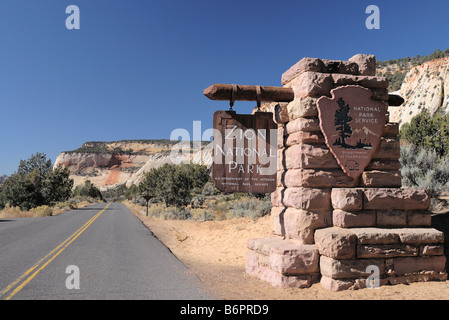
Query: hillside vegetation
(395,70)
(129,147)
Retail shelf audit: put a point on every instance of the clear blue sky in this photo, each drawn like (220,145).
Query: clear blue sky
(137,68)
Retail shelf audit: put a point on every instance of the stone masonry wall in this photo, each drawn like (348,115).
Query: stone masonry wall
(326,226)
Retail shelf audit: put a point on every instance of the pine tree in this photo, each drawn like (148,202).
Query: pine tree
(342,120)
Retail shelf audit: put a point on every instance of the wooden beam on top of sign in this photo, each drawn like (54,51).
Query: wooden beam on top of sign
(267,94)
(249,93)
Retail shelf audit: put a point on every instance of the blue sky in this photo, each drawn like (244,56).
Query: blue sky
(137,69)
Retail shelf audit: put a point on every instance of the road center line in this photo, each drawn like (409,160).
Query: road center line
(64,245)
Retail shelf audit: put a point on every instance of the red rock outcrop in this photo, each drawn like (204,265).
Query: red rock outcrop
(109,164)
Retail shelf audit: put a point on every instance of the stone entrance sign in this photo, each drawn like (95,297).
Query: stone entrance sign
(245,152)
(352,125)
(339,211)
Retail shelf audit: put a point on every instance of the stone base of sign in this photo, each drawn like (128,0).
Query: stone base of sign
(401,255)
(283,263)
(328,227)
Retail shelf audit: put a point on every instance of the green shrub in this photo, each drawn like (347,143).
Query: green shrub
(251,207)
(88,190)
(175,185)
(424,169)
(429,132)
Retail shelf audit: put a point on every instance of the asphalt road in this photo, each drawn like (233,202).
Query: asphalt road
(101,252)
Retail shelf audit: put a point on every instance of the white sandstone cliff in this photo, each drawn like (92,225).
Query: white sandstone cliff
(425,87)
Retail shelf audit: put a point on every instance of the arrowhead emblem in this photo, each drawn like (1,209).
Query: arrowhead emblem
(352,125)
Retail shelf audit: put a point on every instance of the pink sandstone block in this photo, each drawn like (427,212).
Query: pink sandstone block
(376,235)
(304,137)
(366,63)
(307,198)
(306,156)
(304,65)
(419,218)
(294,259)
(391,218)
(264,245)
(336,243)
(304,107)
(364,81)
(408,265)
(311,178)
(349,268)
(381,179)
(335,285)
(277,218)
(418,236)
(311,84)
(283,281)
(303,124)
(389,149)
(345,219)
(281,138)
(396,199)
(299,224)
(347,199)
(252,263)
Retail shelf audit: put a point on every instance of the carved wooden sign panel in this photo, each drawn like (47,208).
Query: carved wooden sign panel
(245,152)
(352,125)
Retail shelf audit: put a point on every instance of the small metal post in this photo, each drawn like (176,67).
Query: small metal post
(147,198)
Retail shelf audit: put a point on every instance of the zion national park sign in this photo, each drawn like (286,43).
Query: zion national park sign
(352,125)
(245,152)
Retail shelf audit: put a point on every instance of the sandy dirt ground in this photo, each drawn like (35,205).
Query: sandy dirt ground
(215,251)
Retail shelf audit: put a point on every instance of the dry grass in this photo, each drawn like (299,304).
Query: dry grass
(42,211)
(135,208)
(211,208)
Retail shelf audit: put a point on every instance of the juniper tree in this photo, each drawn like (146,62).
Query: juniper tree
(36,183)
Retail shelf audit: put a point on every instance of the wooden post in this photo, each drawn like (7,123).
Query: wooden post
(249,93)
(267,94)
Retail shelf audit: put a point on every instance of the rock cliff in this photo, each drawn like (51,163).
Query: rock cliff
(425,87)
(108,164)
